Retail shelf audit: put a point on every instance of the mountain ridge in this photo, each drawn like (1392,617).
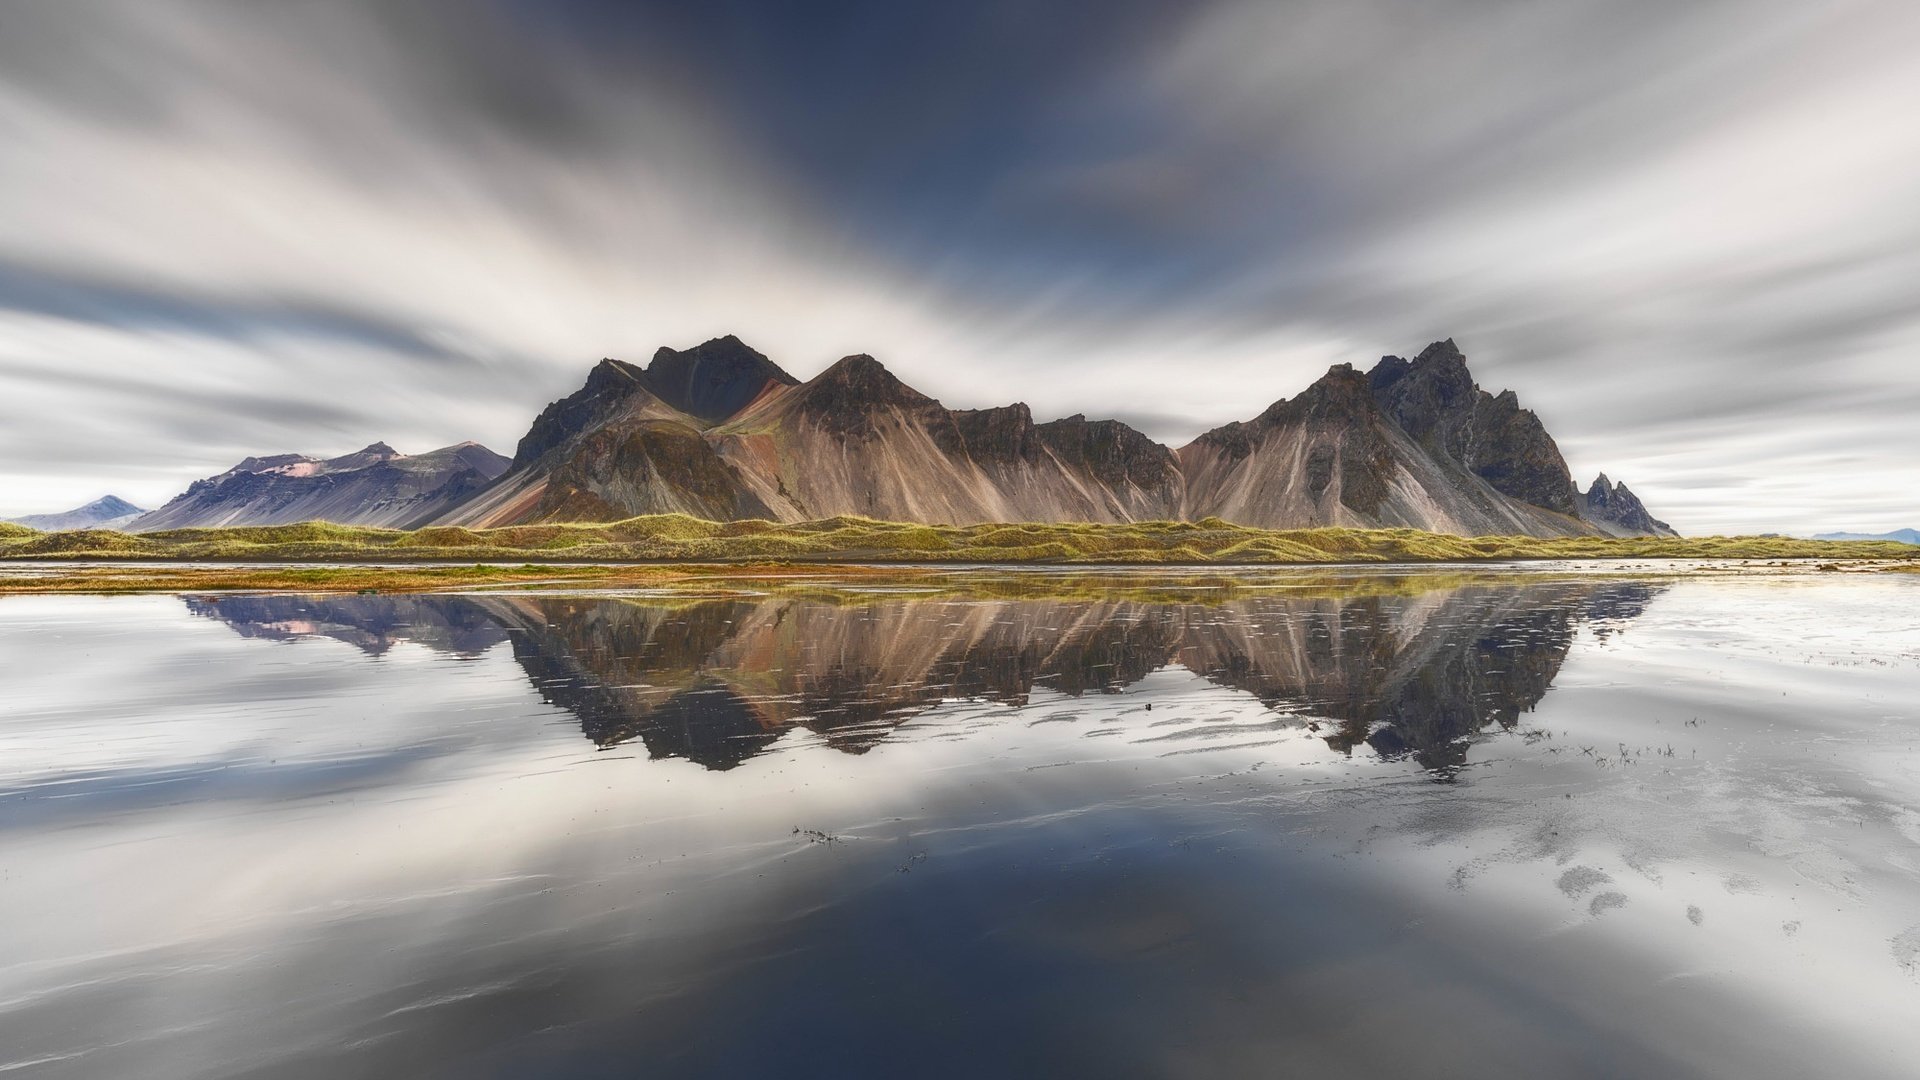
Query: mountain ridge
(1900,536)
(1414,443)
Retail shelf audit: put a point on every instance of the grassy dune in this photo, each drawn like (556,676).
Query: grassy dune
(857,584)
(678,538)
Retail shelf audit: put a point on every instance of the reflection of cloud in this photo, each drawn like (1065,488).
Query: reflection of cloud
(502,897)
(1684,237)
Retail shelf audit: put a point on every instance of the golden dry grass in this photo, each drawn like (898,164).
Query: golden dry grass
(678,542)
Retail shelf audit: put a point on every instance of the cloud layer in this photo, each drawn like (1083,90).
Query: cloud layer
(1686,236)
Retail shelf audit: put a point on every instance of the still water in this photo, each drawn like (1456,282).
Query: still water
(1014,825)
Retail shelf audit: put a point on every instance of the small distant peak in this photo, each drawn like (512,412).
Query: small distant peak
(380,449)
(1601,483)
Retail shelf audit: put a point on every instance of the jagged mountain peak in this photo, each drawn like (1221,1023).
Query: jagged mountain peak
(613,388)
(610,373)
(1616,509)
(1341,382)
(714,380)
(1443,353)
(1341,394)
(1435,401)
(1438,376)
(1390,370)
(379,449)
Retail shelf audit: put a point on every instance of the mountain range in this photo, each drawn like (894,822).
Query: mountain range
(1898,536)
(377,485)
(721,432)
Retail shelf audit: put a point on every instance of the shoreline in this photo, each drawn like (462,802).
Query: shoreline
(676,540)
(104,576)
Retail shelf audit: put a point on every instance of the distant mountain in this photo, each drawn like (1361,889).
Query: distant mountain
(108,512)
(374,486)
(721,432)
(1619,512)
(1899,536)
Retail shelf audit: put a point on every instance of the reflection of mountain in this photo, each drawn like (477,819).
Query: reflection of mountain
(718,681)
(372,624)
(1410,675)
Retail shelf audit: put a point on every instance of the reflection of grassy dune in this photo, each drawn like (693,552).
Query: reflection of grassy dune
(677,537)
(672,587)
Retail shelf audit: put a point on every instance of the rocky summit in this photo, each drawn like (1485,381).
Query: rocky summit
(721,432)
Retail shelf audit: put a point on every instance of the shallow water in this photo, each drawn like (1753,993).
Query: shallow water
(1425,824)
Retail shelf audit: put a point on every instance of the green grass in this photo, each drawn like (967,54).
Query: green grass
(683,539)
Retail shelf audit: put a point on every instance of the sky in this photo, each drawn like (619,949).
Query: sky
(1687,235)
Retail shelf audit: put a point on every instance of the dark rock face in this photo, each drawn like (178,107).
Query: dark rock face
(704,385)
(1619,511)
(1346,427)
(1344,437)
(609,387)
(1110,451)
(990,436)
(843,399)
(713,381)
(1433,398)
(661,466)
